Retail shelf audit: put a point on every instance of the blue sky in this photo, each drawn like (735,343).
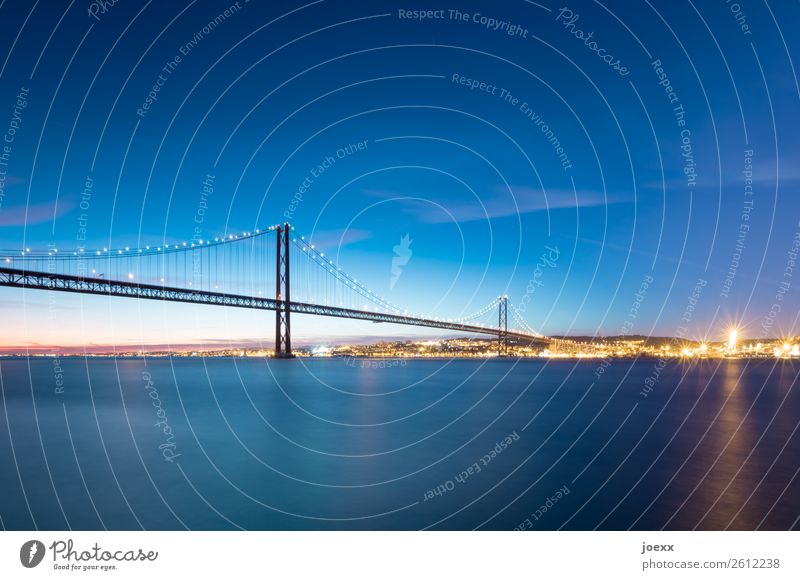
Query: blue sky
(469,171)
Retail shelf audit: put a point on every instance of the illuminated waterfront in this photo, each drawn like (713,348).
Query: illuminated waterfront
(566,348)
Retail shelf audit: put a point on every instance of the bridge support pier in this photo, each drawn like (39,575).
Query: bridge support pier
(502,327)
(283,327)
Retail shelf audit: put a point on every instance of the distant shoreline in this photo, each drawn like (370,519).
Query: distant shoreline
(388,358)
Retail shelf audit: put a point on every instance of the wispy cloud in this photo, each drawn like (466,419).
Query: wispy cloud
(731,179)
(334,239)
(33,304)
(35,213)
(12,180)
(499,202)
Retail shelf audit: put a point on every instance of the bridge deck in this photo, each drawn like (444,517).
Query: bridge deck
(16,278)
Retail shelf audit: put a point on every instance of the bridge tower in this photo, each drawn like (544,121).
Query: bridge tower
(502,327)
(283,328)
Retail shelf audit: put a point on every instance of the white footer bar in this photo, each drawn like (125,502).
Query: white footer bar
(401,555)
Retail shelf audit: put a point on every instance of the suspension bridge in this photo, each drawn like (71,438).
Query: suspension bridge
(269,269)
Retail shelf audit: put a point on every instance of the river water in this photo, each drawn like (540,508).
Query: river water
(503,444)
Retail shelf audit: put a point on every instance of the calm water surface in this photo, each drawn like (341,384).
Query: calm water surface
(323,444)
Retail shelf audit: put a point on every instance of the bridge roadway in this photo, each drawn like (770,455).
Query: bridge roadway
(15,278)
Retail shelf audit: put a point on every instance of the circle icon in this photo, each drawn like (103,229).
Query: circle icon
(31,553)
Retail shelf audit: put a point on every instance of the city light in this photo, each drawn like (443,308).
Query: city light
(732,337)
